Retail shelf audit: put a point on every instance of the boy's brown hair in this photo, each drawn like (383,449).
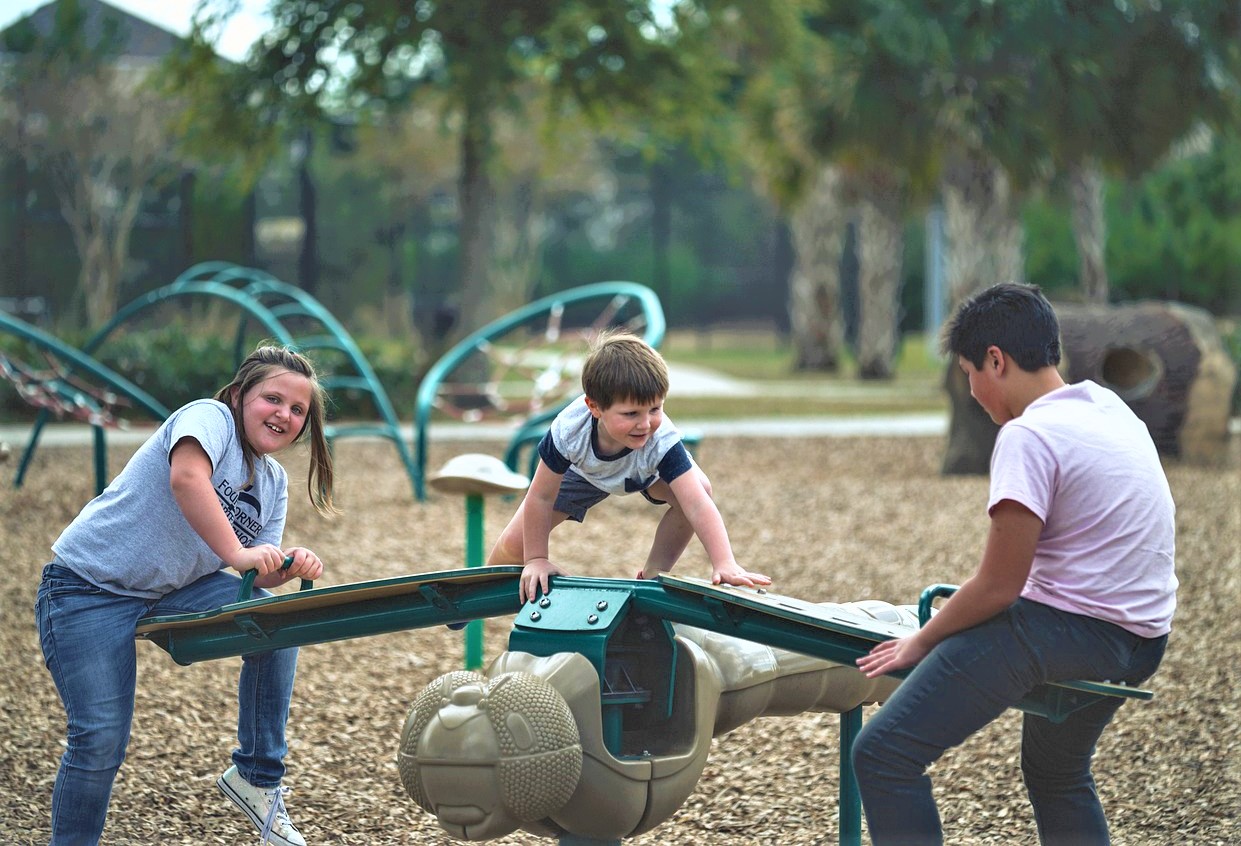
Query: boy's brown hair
(621,366)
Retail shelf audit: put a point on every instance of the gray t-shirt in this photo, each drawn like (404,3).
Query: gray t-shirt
(132,539)
(570,443)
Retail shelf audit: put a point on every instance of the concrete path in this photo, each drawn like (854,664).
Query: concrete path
(76,434)
(685,381)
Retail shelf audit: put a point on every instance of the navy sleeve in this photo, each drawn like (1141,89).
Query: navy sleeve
(676,462)
(551,456)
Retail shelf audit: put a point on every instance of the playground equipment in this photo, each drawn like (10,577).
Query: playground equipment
(287,315)
(474,476)
(521,368)
(71,385)
(524,367)
(643,688)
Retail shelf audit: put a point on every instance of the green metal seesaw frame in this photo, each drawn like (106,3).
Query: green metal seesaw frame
(623,627)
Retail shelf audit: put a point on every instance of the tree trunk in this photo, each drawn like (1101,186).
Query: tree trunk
(308,258)
(1089,228)
(477,206)
(818,229)
(881,248)
(984,234)
(984,248)
(661,232)
(21,228)
(518,238)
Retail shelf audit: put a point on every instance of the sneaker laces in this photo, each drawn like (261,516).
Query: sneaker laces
(275,810)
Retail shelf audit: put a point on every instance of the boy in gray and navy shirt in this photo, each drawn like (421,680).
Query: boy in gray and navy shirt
(616,440)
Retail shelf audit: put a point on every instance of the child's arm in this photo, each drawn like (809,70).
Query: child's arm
(1006,561)
(190,480)
(536,524)
(699,509)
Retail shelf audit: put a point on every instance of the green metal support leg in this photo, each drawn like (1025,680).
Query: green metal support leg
(474,558)
(101,459)
(850,801)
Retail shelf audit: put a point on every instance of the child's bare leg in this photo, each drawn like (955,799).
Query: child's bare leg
(509,549)
(672,536)
(674,531)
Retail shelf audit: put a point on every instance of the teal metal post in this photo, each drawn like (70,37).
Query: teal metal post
(474,558)
(101,458)
(850,800)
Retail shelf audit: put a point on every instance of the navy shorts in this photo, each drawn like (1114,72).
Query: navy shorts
(577,496)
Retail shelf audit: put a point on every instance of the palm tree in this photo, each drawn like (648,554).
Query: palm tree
(1115,86)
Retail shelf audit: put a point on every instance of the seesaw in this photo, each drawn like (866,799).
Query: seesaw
(645,673)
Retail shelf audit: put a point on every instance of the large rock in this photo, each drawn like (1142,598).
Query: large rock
(1166,361)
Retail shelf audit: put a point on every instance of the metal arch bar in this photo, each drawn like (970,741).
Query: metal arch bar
(291,301)
(435,375)
(83,362)
(86,362)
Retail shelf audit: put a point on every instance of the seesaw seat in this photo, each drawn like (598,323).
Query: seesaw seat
(339,612)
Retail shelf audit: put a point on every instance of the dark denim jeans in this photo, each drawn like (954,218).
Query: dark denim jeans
(87,636)
(969,680)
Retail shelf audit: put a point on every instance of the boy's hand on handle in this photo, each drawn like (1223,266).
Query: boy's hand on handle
(736,575)
(535,577)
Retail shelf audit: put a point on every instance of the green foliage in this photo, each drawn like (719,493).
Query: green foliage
(1175,234)
(396,365)
(1051,254)
(172,362)
(176,363)
(1230,332)
(1180,234)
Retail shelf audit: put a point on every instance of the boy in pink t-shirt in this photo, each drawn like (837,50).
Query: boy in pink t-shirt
(1076,581)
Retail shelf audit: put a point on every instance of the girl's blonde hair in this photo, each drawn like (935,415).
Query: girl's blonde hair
(262,364)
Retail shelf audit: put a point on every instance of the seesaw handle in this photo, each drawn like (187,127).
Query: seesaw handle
(247,580)
(928,597)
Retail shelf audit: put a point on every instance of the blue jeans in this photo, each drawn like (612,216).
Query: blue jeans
(970,679)
(87,635)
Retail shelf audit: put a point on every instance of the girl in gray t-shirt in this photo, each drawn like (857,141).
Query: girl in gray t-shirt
(202,497)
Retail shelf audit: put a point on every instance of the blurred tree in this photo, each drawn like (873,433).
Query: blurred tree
(990,153)
(1174,234)
(851,96)
(97,127)
(612,59)
(1114,86)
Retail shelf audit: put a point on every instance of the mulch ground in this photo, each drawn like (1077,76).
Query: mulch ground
(837,519)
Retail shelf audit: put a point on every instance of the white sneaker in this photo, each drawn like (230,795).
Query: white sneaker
(264,807)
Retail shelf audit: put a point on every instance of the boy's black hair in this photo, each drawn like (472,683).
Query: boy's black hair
(1016,318)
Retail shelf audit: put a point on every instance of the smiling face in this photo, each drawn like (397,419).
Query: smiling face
(626,424)
(273,412)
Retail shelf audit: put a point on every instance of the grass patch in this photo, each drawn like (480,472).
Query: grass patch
(731,408)
(765,355)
